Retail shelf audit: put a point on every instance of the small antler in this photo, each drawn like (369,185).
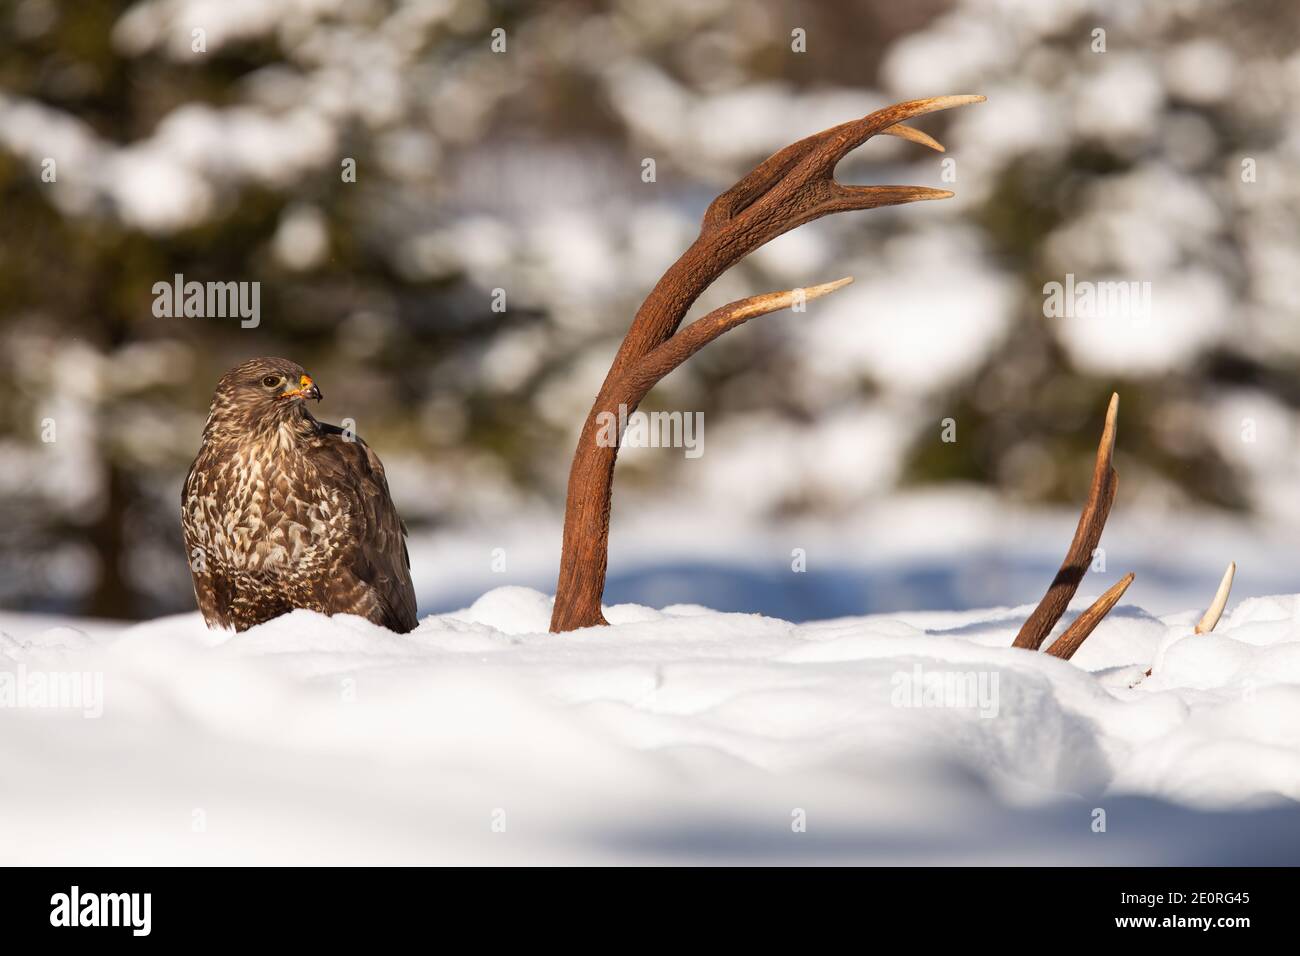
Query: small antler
(1091,523)
(1210,619)
(793,186)
(1212,614)
(1074,636)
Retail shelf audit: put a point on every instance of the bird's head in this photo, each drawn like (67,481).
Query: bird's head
(262,393)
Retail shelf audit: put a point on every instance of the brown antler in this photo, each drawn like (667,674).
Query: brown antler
(1086,536)
(1074,636)
(794,186)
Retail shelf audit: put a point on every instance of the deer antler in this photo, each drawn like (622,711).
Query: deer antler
(642,375)
(1074,636)
(1091,523)
(793,186)
(1210,619)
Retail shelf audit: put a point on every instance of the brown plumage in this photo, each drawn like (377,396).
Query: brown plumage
(281,511)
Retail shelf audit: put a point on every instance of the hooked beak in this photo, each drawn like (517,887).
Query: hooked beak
(306,389)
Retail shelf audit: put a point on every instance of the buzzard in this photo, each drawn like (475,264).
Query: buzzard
(282,511)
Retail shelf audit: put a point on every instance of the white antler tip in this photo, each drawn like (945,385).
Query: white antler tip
(825,288)
(1111,426)
(1212,614)
(959,99)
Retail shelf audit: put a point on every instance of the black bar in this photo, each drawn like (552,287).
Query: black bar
(333,906)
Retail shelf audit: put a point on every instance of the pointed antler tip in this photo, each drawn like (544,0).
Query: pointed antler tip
(826,288)
(1116,590)
(881,120)
(1065,646)
(1210,619)
(1112,409)
(1112,425)
(959,99)
(902,131)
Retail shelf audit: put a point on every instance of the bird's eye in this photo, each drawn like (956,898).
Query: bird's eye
(271,381)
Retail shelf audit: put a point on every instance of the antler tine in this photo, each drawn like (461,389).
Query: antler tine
(844,197)
(1091,523)
(1109,431)
(1212,614)
(849,136)
(657,363)
(1210,619)
(913,135)
(816,156)
(1074,636)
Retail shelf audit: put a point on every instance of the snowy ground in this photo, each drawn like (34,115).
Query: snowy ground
(681,735)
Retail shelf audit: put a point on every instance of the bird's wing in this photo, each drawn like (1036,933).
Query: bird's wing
(208,592)
(374,555)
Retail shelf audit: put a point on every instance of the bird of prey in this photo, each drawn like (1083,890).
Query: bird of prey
(281,511)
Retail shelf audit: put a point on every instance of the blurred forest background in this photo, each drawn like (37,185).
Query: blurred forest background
(1168,155)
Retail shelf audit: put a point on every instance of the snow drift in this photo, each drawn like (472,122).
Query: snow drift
(681,735)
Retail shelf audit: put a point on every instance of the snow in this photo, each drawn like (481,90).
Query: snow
(674,735)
